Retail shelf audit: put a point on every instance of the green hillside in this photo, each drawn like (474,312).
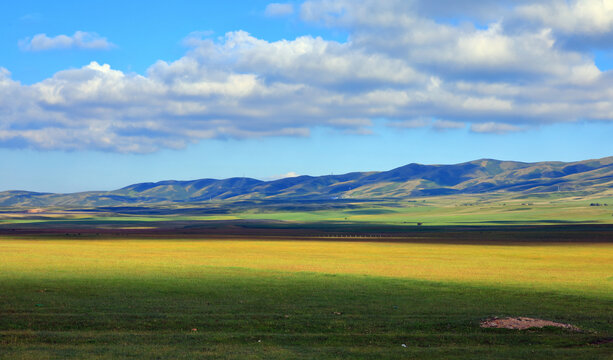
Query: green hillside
(485,176)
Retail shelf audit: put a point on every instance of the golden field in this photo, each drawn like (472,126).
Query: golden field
(584,268)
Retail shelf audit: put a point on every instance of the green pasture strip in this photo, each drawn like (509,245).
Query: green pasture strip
(433,211)
(152,218)
(191,348)
(241,313)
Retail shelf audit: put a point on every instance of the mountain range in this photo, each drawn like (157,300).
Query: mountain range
(409,181)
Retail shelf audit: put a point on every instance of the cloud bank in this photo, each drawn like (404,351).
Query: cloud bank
(511,67)
(279,9)
(79,40)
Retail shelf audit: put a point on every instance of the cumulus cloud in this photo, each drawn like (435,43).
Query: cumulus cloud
(575,23)
(442,125)
(79,40)
(278,9)
(401,63)
(305,60)
(494,128)
(411,123)
(436,124)
(577,16)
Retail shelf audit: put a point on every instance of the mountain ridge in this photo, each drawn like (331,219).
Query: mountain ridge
(411,180)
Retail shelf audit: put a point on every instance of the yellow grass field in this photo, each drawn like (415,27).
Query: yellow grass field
(582,268)
(110,298)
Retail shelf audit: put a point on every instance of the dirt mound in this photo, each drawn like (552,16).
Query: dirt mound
(523,323)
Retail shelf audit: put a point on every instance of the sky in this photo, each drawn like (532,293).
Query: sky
(100,95)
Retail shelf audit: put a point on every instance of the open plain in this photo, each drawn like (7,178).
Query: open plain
(306,179)
(174,286)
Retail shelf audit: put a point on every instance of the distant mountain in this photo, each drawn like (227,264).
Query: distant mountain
(413,180)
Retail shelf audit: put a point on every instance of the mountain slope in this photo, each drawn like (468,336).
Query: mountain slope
(412,180)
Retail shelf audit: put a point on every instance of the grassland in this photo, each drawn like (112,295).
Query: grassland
(549,208)
(237,299)
(544,209)
(323,280)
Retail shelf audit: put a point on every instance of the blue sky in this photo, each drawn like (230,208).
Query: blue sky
(96,96)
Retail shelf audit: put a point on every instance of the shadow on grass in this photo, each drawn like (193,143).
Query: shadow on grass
(238,313)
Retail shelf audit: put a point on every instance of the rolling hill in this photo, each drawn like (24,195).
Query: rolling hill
(409,181)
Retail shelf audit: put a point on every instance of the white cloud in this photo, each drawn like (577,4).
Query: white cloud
(279,9)
(305,60)
(572,17)
(411,124)
(290,174)
(494,128)
(487,104)
(79,40)
(436,124)
(576,24)
(447,125)
(399,64)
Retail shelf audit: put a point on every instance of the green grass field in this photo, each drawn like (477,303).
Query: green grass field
(185,299)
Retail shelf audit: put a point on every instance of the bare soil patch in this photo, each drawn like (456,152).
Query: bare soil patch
(523,323)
